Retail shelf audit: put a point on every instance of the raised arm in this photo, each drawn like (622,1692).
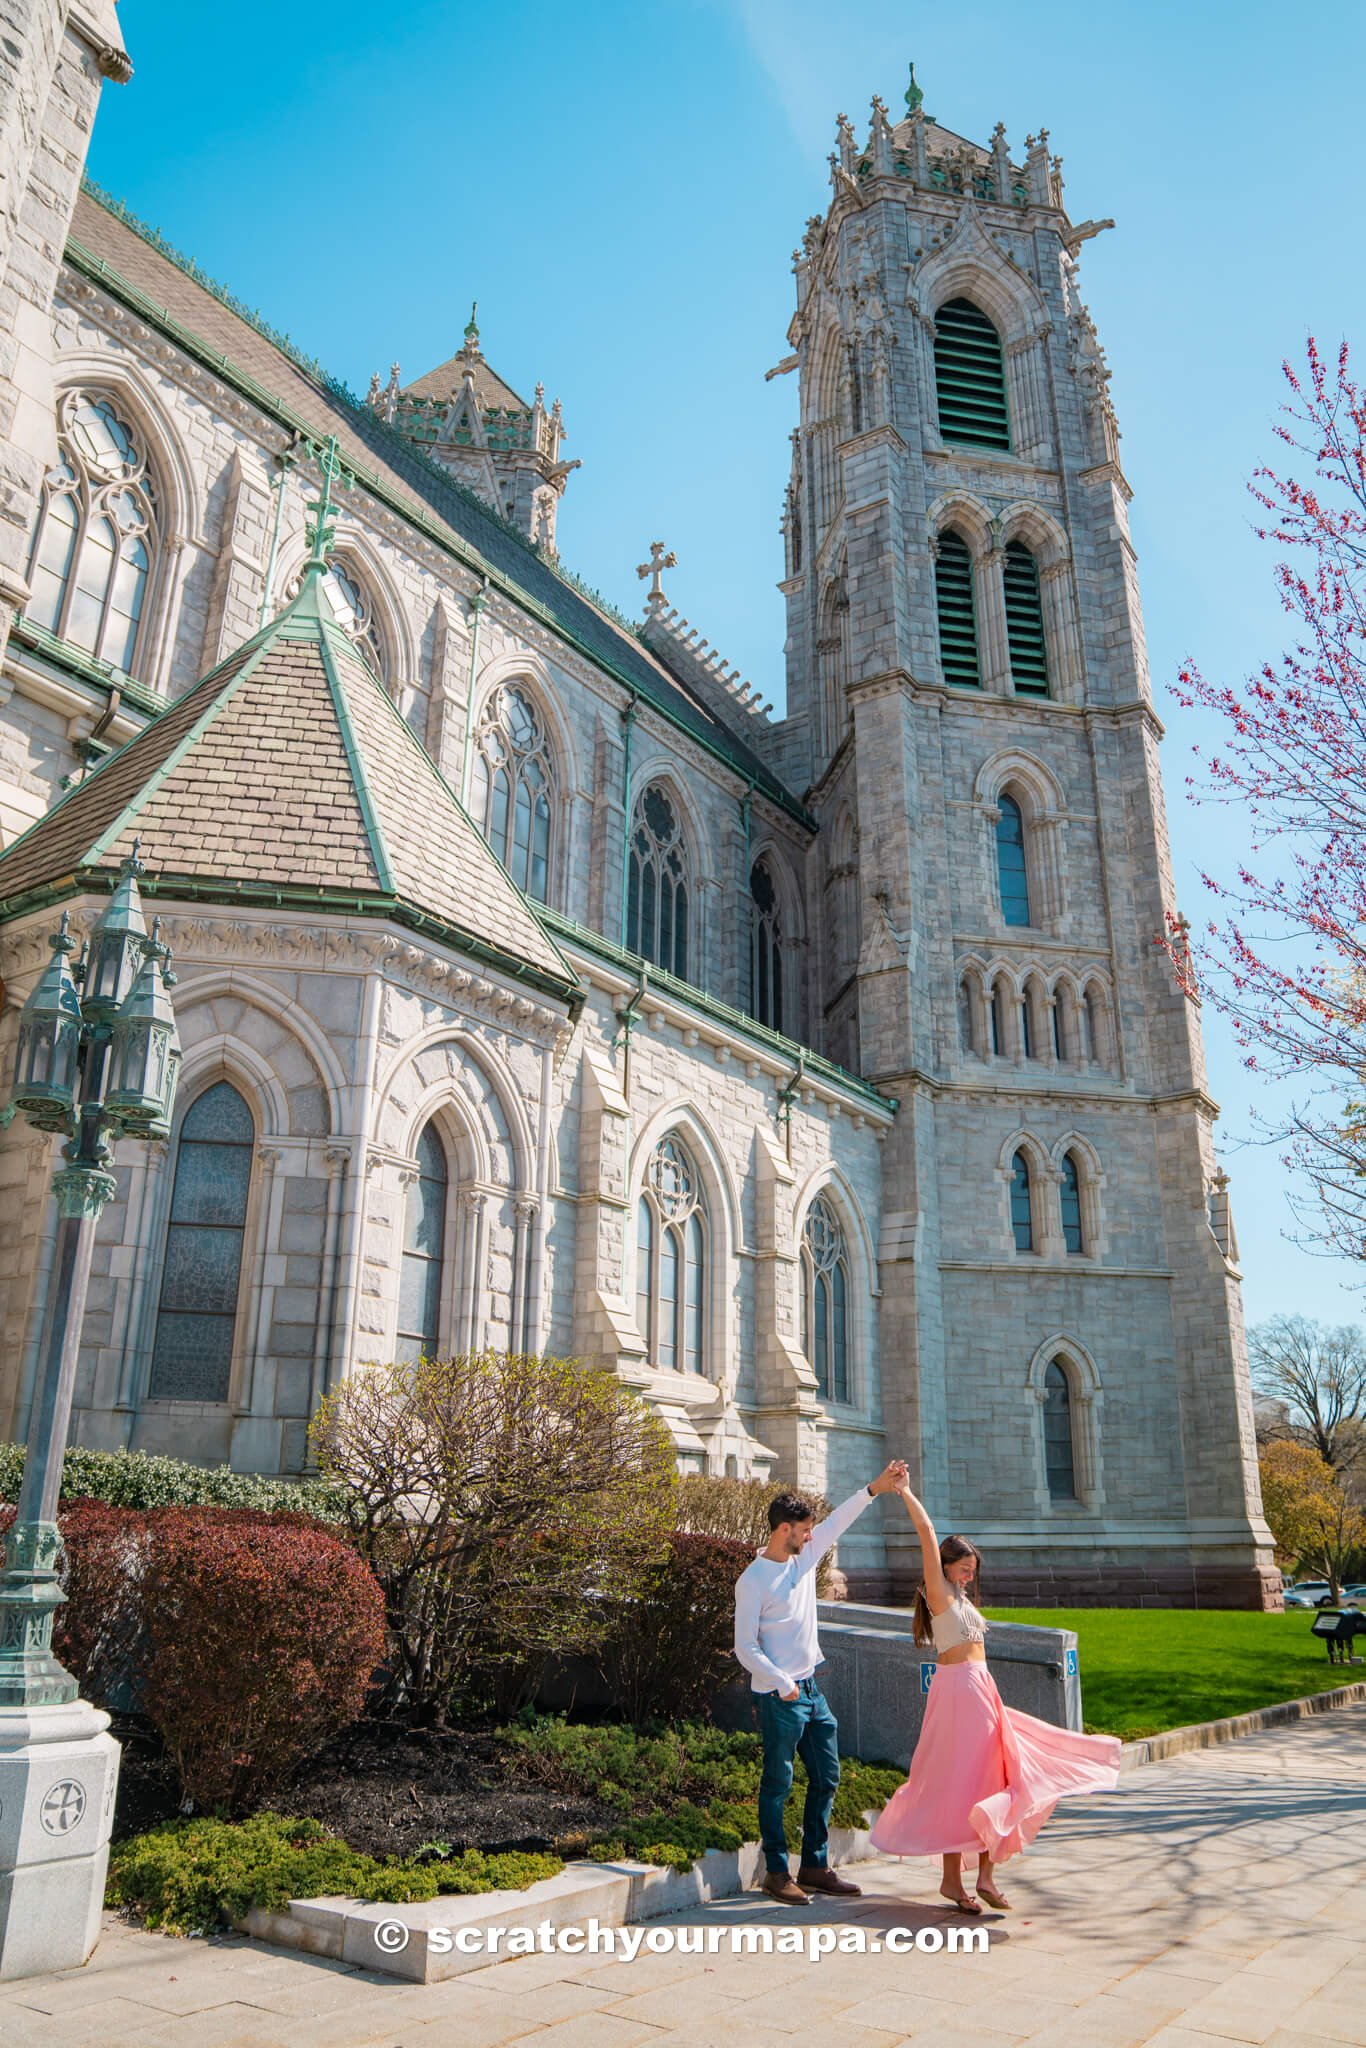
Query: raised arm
(936,1585)
(827,1533)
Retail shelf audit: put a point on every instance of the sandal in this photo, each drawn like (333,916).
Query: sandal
(962,1902)
(993,1897)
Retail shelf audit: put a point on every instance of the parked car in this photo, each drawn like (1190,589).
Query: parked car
(1308,1593)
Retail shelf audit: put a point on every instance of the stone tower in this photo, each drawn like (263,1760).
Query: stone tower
(465,415)
(970,716)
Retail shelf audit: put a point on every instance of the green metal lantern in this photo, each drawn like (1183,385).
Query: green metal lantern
(144,1050)
(116,945)
(49,1042)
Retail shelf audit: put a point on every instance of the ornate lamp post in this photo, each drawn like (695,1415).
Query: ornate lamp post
(98,1058)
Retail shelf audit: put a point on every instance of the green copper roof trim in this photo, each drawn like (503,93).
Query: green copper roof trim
(462,550)
(289,896)
(86,668)
(791,1050)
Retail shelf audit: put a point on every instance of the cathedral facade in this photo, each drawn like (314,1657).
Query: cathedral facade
(818,1076)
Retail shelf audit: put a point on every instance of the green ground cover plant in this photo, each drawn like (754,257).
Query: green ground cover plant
(144,1479)
(1144,1670)
(188,1876)
(680,1790)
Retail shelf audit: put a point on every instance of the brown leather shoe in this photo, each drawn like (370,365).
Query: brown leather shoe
(817,1879)
(778,1884)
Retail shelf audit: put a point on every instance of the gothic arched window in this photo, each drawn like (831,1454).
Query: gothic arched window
(1021,1204)
(970,377)
(671,1260)
(92,548)
(1059,1460)
(424,1252)
(957,612)
(1024,622)
(514,786)
(657,885)
(1073,1235)
(202,1269)
(1012,868)
(355,614)
(825,1299)
(766,948)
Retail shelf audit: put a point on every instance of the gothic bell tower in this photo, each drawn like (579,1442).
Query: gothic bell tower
(970,716)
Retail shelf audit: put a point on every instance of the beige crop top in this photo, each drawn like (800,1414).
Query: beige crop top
(960,1623)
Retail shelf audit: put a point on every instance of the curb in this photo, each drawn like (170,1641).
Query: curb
(611,1894)
(1153,1749)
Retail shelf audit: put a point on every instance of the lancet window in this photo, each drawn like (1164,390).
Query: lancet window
(422,1265)
(825,1301)
(202,1268)
(671,1260)
(96,533)
(514,787)
(657,884)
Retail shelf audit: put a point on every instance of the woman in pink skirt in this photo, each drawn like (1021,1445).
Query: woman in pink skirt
(984,1777)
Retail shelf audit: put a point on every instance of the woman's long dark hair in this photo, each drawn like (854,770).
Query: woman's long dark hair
(951,1551)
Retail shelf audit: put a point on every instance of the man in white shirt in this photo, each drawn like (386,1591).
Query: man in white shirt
(776,1641)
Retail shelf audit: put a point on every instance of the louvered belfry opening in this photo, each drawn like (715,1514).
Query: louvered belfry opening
(970,377)
(957,616)
(1024,622)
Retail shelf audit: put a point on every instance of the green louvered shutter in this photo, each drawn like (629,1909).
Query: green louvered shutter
(957,619)
(1024,622)
(970,377)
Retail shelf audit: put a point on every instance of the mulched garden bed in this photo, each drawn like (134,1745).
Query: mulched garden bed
(386,1789)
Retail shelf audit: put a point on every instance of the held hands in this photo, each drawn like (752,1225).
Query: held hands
(895,1478)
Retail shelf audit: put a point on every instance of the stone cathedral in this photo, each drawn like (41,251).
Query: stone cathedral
(818,1076)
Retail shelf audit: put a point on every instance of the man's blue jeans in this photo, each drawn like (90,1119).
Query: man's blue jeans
(803,1727)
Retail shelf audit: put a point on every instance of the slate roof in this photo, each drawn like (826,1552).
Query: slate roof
(288,775)
(447,380)
(125,260)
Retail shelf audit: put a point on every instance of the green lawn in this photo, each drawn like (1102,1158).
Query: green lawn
(1146,1669)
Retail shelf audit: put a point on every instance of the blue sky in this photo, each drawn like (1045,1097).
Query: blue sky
(621,188)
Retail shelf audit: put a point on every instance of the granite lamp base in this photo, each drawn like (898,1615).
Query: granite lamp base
(59,1771)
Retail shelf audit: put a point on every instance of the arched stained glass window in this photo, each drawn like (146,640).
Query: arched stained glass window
(1059,1463)
(970,377)
(1024,622)
(766,948)
(424,1252)
(957,612)
(202,1270)
(1012,867)
(825,1301)
(514,788)
(671,1261)
(998,1018)
(92,548)
(1021,1204)
(1073,1236)
(657,885)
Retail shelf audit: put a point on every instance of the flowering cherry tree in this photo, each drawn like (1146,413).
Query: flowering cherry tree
(1284,957)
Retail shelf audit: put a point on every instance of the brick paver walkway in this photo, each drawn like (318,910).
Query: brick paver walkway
(1216,1899)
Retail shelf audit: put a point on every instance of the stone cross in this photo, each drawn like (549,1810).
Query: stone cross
(654,569)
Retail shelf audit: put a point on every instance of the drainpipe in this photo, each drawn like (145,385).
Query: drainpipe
(286,461)
(476,615)
(628,725)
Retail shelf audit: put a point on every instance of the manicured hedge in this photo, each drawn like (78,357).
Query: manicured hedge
(139,1479)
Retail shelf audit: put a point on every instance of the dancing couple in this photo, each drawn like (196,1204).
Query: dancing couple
(984,1777)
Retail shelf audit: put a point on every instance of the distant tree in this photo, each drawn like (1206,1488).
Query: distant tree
(1286,958)
(1308,1511)
(1319,1375)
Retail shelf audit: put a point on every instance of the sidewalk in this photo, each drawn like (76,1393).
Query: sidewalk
(1215,1899)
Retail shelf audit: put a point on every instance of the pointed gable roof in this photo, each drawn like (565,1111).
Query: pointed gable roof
(288,776)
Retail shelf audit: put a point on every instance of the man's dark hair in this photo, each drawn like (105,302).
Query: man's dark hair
(789,1507)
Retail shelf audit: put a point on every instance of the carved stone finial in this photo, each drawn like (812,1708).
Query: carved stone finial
(915,98)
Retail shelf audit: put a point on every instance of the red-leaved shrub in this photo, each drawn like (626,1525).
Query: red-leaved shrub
(669,1651)
(263,1632)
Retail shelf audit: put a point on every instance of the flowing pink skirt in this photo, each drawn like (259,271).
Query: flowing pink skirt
(984,1776)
